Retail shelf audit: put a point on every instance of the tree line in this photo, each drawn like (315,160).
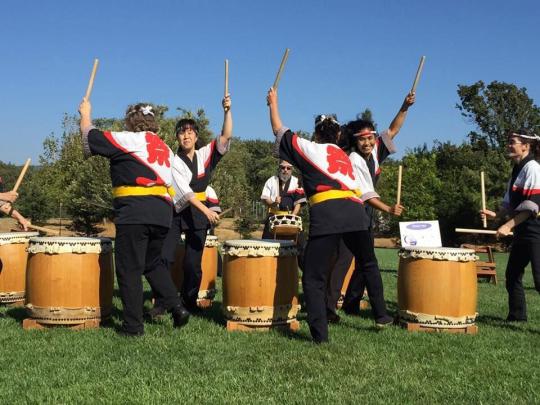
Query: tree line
(440,182)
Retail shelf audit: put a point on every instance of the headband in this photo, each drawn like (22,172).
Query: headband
(361,134)
(146,110)
(533,136)
(325,118)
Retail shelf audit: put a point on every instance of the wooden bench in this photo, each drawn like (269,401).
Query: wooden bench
(484,269)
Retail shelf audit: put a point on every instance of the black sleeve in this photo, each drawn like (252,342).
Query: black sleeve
(286,149)
(99,144)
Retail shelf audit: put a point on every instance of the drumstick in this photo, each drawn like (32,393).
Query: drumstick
(283,61)
(483,191)
(225,212)
(226,77)
(418,73)
(91,81)
(400,173)
(23,172)
(42,229)
(479,231)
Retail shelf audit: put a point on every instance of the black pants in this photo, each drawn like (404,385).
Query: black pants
(137,253)
(320,258)
(521,254)
(343,262)
(194,245)
(358,282)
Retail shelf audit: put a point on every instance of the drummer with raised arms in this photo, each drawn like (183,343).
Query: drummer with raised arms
(336,212)
(197,164)
(142,172)
(282,194)
(521,206)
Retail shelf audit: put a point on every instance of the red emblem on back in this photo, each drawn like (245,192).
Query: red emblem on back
(158,151)
(338,161)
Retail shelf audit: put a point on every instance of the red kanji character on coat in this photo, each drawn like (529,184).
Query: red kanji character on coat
(338,161)
(157,150)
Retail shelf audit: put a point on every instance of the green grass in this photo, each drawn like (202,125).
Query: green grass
(204,363)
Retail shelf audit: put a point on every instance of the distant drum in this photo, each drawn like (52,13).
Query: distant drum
(13,257)
(437,287)
(260,282)
(69,280)
(285,226)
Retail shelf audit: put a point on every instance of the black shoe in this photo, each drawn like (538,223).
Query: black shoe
(180,316)
(384,321)
(156,312)
(511,318)
(192,307)
(124,332)
(332,317)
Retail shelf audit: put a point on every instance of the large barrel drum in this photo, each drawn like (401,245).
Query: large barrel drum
(13,257)
(69,280)
(260,282)
(437,287)
(209,267)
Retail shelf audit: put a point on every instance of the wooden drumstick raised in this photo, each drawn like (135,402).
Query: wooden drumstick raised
(399,177)
(226,78)
(281,66)
(418,73)
(225,212)
(483,191)
(91,81)
(479,231)
(21,175)
(42,229)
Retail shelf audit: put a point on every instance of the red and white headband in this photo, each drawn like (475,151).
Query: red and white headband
(365,133)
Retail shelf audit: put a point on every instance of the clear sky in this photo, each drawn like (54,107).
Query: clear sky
(345,56)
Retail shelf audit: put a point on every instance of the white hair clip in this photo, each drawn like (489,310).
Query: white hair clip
(324,117)
(147,110)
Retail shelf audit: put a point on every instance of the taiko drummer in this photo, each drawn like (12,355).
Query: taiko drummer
(336,212)
(142,186)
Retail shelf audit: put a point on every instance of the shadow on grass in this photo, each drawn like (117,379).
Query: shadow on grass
(498,322)
(388,271)
(212,314)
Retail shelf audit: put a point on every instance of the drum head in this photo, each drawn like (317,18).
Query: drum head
(443,253)
(259,247)
(57,245)
(16,237)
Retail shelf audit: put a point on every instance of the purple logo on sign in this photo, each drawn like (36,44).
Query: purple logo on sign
(419,226)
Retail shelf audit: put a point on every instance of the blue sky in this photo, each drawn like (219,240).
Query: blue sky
(345,56)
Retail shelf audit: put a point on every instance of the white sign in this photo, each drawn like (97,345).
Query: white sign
(420,234)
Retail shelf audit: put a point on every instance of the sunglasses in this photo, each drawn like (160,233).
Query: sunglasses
(285,168)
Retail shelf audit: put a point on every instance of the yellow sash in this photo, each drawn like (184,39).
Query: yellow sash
(130,191)
(332,195)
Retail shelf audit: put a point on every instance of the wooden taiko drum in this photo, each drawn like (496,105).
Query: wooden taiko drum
(13,257)
(260,282)
(285,226)
(69,280)
(437,287)
(209,267)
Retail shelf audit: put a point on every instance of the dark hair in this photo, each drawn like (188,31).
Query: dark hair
(353,127)
(137,121)
(327,129)
(185,122)
(534,143)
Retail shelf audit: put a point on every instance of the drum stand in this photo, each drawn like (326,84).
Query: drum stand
(293,326)
(31,323)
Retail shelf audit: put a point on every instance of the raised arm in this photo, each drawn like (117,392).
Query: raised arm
(272,102)
(226,130)
(399,119)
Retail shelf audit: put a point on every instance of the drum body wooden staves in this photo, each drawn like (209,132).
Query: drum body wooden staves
(209,267)
(13,258)
(69,280)
(285,226)
(260,282)
(437,287)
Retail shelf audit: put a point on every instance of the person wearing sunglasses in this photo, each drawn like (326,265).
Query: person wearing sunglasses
(520,206)
(282,194)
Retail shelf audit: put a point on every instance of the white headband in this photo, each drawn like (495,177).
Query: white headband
(324,118)
(533,136)
(358,134)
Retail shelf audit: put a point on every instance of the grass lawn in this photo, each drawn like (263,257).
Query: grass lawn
(204,363)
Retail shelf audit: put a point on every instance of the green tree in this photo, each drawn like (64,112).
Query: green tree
(495,109)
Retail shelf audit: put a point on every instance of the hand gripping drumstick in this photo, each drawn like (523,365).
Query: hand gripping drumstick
(283,61)
(483,191)
(23,172)
(479,231)
(91,81)
(418,73)
(400,174)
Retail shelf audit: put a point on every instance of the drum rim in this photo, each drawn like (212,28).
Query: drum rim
(15,235)
(264,243)
(436,249)
(69,240)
